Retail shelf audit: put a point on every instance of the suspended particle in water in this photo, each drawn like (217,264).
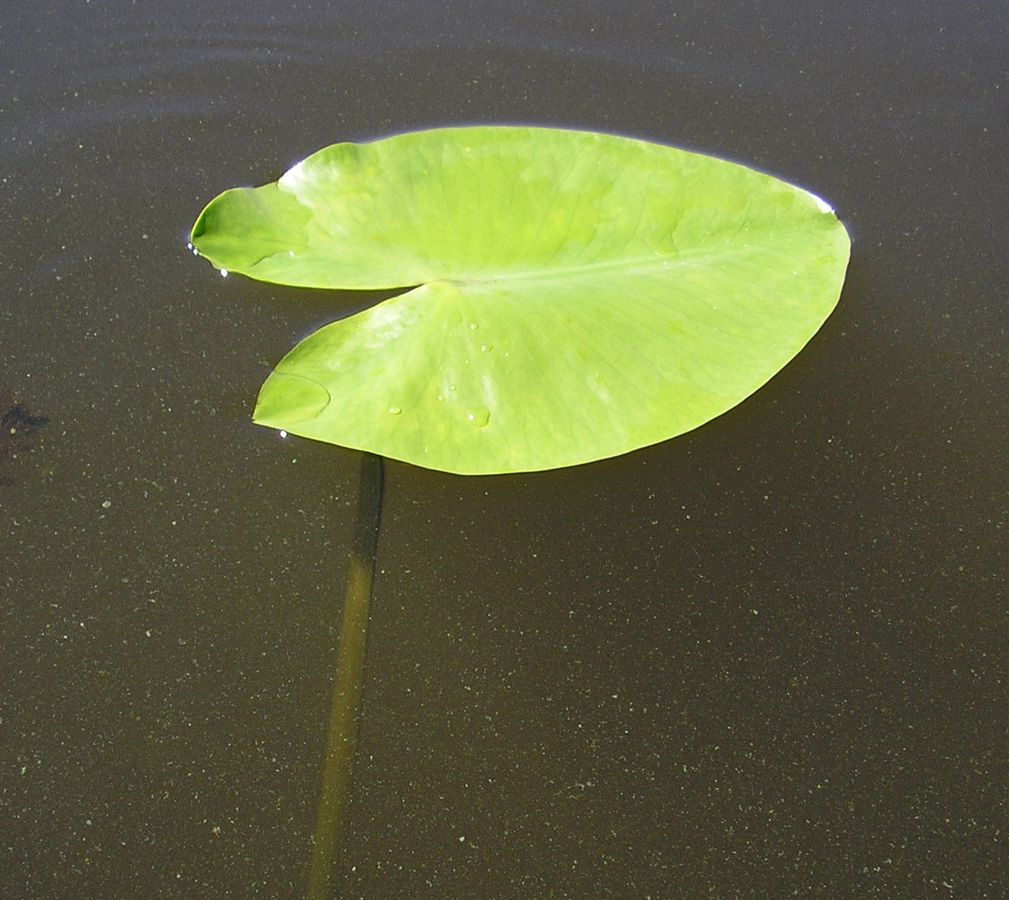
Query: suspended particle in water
(224,273)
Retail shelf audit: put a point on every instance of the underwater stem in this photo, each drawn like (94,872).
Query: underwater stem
(331,828)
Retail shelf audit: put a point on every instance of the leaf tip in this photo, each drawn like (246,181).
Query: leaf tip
(821,204)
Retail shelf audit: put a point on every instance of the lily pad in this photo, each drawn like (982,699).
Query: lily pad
(569,296)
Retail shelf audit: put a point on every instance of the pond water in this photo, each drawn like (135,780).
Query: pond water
(767,658)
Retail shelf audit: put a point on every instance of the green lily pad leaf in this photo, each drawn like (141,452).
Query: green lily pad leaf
(569,296)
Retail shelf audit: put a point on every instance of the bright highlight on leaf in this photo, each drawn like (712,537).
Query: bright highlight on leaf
(568,296)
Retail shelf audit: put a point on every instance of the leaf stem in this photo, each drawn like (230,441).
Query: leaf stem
(331,827)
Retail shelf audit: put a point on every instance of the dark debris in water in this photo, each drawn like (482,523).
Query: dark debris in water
(19,432)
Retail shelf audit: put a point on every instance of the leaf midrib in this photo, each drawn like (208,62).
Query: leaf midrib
(636,264)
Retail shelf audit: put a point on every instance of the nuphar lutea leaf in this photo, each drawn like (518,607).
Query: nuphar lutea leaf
(567,296)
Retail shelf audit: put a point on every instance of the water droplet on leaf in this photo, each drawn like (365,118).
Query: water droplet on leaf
(478,416)
(395,410)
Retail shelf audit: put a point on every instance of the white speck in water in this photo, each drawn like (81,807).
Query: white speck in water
(106,504)
(224,273)
(283,433)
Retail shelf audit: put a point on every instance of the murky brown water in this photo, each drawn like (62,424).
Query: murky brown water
(767,658)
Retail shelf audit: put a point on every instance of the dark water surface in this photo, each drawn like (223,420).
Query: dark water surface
(768,658)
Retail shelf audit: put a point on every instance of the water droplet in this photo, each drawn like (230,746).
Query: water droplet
(453,387)
(473,326)
(478,416)
(395,410)
(224,273)
(486,348)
